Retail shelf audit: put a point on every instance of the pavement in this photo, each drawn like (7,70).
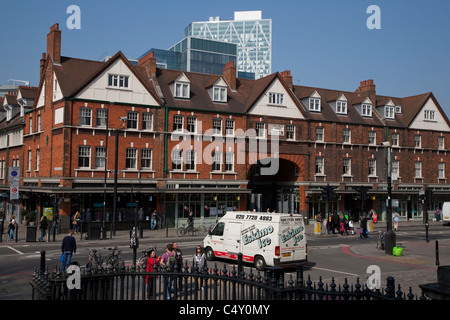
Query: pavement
(418,259)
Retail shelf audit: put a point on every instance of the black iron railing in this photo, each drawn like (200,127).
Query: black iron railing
(130,283)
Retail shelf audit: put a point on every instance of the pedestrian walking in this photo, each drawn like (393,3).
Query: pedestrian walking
(363,227)
(12,227)
(152,265)
(43,226)
(335,222)
(68,248)
(396,220)
(76,222)
(54,229)
(198,263)
(153,220)
(190,220)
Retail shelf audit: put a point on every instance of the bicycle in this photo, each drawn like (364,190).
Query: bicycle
(114,259)
(94,261)
(380,241)
(189,230)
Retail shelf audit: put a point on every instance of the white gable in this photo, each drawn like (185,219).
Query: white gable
(57,93)
(288,109)
(342,98)
(182,78)
(315,94)
(220,83)
(98,89)
(436,124)
(41,100)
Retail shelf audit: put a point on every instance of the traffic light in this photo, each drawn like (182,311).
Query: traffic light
(285,197)
(278,195)
(325,192)
(429,196)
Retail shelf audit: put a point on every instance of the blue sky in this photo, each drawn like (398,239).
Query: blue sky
(325,43)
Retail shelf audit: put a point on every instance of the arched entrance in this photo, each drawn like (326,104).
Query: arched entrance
(278,191)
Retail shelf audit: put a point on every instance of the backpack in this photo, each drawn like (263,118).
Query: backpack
(170,264)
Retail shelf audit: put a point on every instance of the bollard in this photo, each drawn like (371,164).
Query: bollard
(42,267)
(17,232)
(240,264)
(437,252)
(317,228)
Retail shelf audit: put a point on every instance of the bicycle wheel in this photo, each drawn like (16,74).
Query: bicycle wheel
(201,230)
(192,231)
(181,231)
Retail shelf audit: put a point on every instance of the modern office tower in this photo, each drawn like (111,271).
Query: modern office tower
(196,55)
(251,33)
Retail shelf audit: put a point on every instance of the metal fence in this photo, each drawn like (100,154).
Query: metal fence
(130,283)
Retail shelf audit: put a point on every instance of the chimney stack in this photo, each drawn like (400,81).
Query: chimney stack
(229,73)
(54,43)
(44,57)
(149,63)
(286,75)
(367,88)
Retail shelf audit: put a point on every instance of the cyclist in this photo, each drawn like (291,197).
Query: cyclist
(190,220)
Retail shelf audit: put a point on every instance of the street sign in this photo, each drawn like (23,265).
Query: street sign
(13,174)
(14,179)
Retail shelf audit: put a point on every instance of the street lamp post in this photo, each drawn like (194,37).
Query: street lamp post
(390,238)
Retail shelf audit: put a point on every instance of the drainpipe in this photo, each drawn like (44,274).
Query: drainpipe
(165,138)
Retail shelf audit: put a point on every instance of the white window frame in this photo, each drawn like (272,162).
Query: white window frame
(260,128)
(389,112)
(131,158)
(347,135)
(101,118)
(347,167)
(372,137)
(314,104)
(290,132)
(146,159)
(83,152)
(133,120)
(320,134)
(276,98)
(372,167)
(100,157)
(395,139)
(177,159)
(216,161)
(395,169)
(147,121)
(229,127)
(191,124)
(320,166)
(217,126)
(229,161)
(429,115)
(190,160)
(38,159)
(39,123)
(118,81)
(417,141)
(366,110)
(418,169)
(29,160)
(182,90)
(85,117)
(441,170)
(31,124)
(178,122)
(219,94)
(341,107)
(441,143)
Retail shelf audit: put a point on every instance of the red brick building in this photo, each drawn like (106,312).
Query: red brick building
(209,143)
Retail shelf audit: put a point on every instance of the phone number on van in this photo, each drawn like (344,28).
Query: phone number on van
(253,217)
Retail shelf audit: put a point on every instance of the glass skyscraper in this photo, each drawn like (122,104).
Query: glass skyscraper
(251,34)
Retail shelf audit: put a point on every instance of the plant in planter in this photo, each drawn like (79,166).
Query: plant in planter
(31,217)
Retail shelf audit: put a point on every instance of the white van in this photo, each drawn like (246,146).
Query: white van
(265,239)
(446,212)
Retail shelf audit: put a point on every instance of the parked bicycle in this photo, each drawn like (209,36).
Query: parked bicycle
(381,239)
(190,230)
(114,259)
(94,260)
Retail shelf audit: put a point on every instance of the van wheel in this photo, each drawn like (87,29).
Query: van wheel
(260,263)
(210,254)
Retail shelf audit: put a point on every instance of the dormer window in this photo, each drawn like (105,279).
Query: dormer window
(276,98)
(220,94)
(341,107)
(389,112)
(366,110)
(398,109)
(314,104)
(182,90)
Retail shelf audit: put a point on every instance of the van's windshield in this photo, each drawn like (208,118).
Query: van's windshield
(218,229)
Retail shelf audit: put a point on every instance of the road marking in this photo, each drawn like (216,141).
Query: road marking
(15,250)
(335,271)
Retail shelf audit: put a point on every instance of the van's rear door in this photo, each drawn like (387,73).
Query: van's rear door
(233,243)
(292,240)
